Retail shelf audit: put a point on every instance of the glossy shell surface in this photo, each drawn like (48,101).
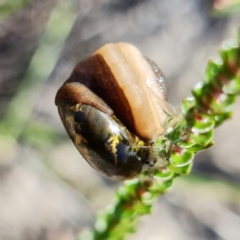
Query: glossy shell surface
(105,143)
(113,108)
(132,86)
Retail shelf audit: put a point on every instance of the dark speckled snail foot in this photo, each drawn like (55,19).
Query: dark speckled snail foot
(114,108)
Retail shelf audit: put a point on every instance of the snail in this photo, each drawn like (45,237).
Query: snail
(113,106)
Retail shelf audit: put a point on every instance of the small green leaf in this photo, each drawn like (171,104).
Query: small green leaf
(233,86)
(230,51)
(212,71)
(198,90)
(222,117)
(199,122)
(222,103)
(161,187)
(203,139)
(186,143)
(180,157)
(164,174)
(203,123)
(175,135)
(196,148)
(187,103)
(181,170)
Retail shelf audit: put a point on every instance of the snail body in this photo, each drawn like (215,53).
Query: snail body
(113,108)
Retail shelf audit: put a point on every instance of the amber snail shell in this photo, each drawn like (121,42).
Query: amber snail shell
(112,104)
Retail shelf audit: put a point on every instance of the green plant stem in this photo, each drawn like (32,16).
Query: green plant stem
(211,105)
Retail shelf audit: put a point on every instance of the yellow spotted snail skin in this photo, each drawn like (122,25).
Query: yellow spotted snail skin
(113,108)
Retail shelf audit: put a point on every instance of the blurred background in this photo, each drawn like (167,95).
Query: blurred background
(47,191)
